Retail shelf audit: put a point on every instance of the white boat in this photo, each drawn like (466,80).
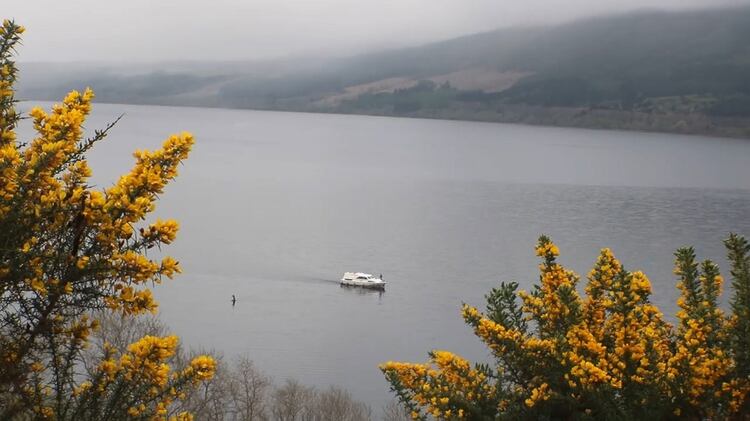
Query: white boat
(364,280)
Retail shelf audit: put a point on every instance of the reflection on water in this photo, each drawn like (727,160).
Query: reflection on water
(363,291)
(274,207)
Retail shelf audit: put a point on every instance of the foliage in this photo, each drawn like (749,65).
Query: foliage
(608,354)
(66,250)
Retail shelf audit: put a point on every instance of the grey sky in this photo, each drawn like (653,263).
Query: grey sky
(152,30)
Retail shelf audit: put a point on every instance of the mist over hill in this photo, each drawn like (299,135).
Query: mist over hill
(685,72)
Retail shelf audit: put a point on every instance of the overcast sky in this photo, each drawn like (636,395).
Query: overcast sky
(155,30)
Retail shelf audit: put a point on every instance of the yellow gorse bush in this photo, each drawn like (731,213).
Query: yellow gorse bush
(606,355)
(67,250)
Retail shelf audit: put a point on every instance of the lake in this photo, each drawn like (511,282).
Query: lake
(274,207)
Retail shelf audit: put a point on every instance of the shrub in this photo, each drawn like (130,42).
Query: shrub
(66,250)
(608,354)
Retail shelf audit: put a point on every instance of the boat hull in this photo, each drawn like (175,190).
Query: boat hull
(360,284)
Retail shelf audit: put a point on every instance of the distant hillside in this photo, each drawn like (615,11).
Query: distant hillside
(678,71)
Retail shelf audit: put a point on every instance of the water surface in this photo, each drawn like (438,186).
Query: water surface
(274,207)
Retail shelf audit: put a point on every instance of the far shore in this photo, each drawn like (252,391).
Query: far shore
(581,118)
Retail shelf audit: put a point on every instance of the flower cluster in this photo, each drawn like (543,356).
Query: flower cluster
(449,387)
(607,355)
(144,372)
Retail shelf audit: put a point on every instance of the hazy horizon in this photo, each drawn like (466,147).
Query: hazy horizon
(266,30)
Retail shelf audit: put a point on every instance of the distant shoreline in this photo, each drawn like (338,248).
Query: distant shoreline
(596,119)
(580,118)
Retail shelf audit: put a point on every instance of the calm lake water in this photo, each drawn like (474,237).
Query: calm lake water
(274,207)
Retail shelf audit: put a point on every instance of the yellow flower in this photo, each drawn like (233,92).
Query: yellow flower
(182,416)
(38,286)
(82,262)
(204,367)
